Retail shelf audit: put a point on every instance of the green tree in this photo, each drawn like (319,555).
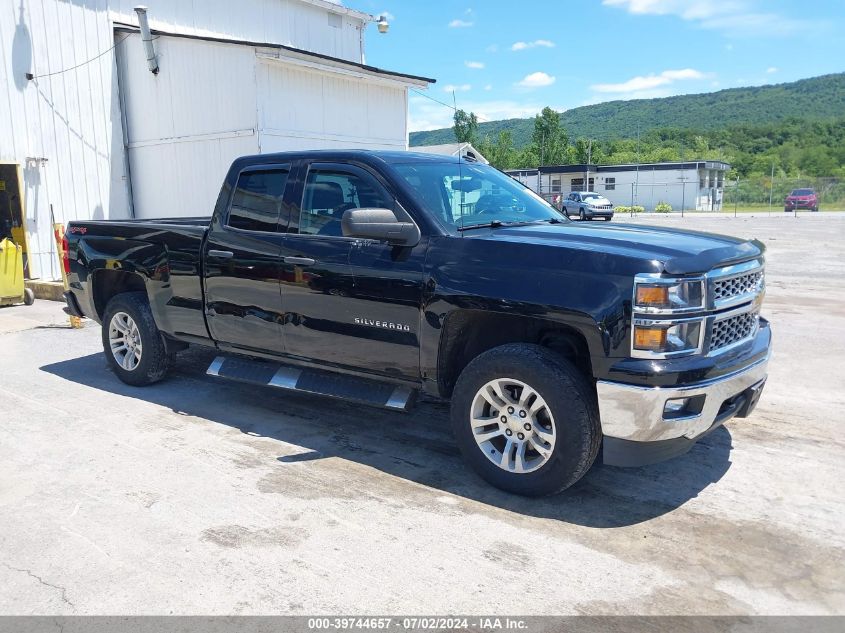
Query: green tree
(549,140)
(501,154)
(465,127)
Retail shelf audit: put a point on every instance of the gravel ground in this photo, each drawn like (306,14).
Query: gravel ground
(197,496)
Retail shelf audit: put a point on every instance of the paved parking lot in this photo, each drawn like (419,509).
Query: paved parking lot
(199,496)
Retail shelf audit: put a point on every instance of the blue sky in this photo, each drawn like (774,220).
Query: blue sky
(510,59)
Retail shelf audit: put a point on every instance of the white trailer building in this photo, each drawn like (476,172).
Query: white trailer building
(87,131)
(697,185)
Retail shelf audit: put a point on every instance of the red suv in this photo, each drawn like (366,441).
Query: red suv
(801,199)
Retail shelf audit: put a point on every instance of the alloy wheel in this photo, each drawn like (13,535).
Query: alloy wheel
(125,341)
(512,425)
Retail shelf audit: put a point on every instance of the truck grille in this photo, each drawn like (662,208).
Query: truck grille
(747,284)
(733,329)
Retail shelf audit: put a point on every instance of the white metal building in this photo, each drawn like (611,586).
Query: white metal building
(95,134)
(465,150)
(696,185)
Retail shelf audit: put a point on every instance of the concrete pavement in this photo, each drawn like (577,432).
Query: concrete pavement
(198,496)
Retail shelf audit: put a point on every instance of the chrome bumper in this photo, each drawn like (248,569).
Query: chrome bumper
(634,413)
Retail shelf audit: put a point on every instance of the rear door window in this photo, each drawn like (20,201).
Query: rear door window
(257,200)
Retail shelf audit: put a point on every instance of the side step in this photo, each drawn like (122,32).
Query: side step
(314,381)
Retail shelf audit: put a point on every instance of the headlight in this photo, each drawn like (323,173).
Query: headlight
(659,338)
(668,295)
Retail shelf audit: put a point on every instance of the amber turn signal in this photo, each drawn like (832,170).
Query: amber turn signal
(653,296)
(650,338)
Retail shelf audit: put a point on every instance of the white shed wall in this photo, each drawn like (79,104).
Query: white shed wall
(71,119)
(213,102)
(210,103)
(289,22)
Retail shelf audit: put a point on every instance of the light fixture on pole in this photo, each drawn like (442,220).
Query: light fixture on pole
(382,24)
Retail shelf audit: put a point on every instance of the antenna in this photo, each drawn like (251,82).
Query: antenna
(460,170)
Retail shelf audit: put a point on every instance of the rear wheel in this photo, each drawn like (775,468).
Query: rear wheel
(28,296)
(526,420)
(132,343)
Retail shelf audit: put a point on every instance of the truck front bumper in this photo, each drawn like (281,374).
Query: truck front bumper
(646,425)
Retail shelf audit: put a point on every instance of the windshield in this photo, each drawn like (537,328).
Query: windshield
(587,196)
(468,194)
(802,192)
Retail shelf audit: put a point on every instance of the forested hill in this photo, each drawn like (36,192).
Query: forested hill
(817,98)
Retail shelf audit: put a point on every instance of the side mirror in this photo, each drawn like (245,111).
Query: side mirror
(379,224)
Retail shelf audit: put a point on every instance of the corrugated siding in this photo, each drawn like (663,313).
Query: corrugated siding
(288,22)
(213,102)
(207,106)
(71,119)
(187,124)
(301,108)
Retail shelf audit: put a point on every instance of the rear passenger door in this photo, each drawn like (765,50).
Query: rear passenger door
(242,267)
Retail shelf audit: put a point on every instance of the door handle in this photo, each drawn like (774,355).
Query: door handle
(220,254)
(300,261)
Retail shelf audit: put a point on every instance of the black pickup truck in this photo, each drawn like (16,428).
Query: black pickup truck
(373,276)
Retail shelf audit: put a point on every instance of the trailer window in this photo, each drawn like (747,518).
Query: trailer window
(257,200)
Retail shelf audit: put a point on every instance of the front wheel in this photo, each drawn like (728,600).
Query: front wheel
(526,419)
(132,343)
(582,215)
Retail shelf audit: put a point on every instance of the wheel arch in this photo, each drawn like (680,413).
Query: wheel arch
(108,283)
(469,333)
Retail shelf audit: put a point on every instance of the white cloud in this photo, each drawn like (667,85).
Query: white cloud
(460,24)
(772,69)
(493,48)
(427,115)
(521,46)
(488,87)
(536,80)
(649,82)
(457,88)
(387,15)
(474,65)
(736,17)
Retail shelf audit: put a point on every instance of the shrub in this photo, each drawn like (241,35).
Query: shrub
(663,207)
(623,209)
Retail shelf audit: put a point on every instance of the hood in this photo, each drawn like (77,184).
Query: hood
(679,251)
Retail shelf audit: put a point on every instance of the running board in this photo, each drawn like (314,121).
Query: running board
(314,381)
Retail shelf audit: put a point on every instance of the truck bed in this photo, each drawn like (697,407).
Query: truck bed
(167,252)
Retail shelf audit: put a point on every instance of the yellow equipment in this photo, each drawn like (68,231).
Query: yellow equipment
(12,289)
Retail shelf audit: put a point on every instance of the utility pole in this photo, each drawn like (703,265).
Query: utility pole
(771,188)
(736,194)
(589,158)
(637,181)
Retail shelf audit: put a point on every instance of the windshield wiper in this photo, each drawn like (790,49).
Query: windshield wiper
(494,224)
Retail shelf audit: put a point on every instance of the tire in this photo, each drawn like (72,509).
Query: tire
(131,313)
(28,296)
(581,215)
(608,218)
(567,413)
